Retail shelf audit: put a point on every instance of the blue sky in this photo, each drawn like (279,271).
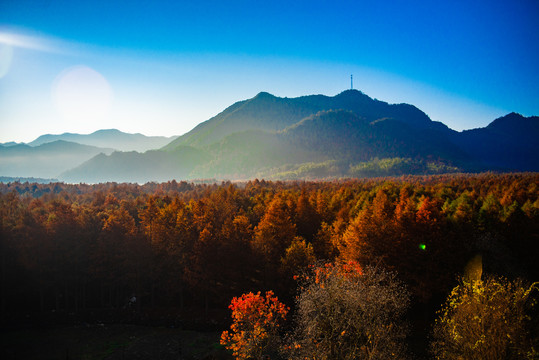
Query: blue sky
(160,68)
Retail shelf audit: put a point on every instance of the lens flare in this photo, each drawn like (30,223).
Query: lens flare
(82,94)
(6,55)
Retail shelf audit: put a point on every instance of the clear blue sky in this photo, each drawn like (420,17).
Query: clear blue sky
(160,68)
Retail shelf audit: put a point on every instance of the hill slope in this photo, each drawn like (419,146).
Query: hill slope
(153,165)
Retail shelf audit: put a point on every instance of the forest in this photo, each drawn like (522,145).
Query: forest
(186,254)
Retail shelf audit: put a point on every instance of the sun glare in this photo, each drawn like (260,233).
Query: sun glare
(82,94)
(26,41)
(6,54)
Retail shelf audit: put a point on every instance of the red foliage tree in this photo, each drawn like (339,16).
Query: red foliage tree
(254,333)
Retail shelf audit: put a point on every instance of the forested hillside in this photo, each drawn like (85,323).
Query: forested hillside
(271,113)
(77,250)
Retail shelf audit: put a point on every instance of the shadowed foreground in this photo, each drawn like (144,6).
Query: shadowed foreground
(111,342)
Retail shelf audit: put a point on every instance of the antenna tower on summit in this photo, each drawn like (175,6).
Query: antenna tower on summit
(352,82)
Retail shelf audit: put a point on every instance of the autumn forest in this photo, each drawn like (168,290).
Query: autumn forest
(177,253)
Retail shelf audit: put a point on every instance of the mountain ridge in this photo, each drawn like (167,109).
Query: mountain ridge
(271,113)
(508,143)
(109,138)
(319,137)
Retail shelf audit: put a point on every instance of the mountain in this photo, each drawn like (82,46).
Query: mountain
(509,143)
(111,138)
(271,113)
(46,160)
(316,137)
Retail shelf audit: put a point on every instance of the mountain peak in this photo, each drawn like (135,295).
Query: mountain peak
(514,122)
(109,131)
(509,117)
(353,96)
(264,95)
(351,92)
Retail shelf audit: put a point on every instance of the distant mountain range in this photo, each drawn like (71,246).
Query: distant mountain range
(46,160)
(110,138)
(314,137)
(50,155)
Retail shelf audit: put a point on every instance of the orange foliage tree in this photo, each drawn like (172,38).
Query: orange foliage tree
(255,323)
